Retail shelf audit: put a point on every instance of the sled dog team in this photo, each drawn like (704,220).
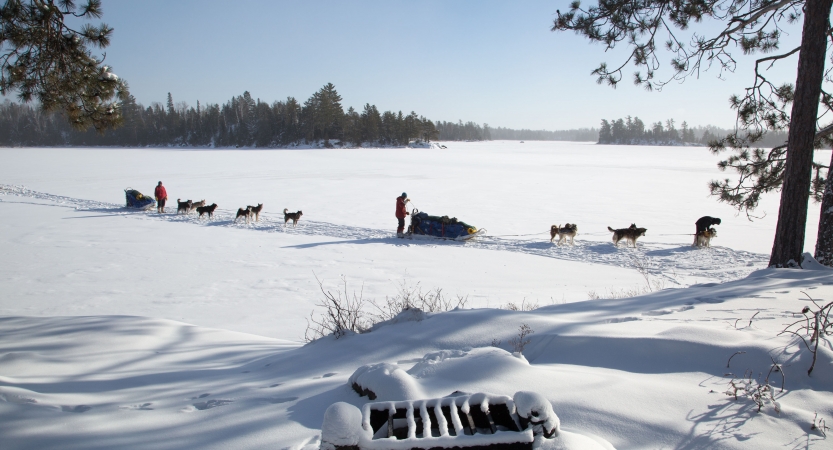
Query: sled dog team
(248,213)
(187,206)
(702,237)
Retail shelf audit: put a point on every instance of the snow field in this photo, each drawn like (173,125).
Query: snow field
(611,368)
(215,361)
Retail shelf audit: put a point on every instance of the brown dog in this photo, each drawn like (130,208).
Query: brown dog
(632,233)
(256,210)
(295,217)
(207,209)
(703,239)
(247,213)
(569,230)
(195,205)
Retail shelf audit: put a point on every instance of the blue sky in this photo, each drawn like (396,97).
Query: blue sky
(492,62)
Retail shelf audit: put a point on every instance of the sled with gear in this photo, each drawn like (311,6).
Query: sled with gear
(442,227)
(461,421)
(136,199)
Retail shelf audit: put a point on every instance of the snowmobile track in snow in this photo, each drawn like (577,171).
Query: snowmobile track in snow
(661,264)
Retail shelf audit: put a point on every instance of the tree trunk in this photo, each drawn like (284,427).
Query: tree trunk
(795,193)
(824,240)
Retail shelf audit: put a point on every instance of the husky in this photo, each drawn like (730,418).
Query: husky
(247,213)
(195,205)
(295,217)
(569,230)
(631,234)
(207,209)
(256,211)
(703,238)
(183,207)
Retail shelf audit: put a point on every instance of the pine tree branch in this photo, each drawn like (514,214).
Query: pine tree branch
(775,58)
(752,16)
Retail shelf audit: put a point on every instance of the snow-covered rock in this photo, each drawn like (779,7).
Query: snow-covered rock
(385,381)
(342,427)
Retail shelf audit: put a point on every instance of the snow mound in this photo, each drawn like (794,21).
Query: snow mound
(810,263)
(430,362)
(455,366)
(570,441)
(341,427)
(385,381)
(443,369)
(422,144)
(406,315)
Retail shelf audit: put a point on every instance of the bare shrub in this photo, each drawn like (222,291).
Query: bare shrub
(642,265)
(411,296)
(819,424)
(521,340)
(343,312)
(615,294)
(760,392)
(522,306)
(815,324)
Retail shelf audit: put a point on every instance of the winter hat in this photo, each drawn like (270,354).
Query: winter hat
(404,194)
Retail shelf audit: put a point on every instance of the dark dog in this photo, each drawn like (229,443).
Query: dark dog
(196,205)
(256,211)
(247,213)
(207,209)
(183,207)
(295,217)
(632,233)
(569,230)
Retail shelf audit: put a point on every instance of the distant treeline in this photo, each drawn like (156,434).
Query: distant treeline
(632,131)
(580,134)
(240,122)
(469,131)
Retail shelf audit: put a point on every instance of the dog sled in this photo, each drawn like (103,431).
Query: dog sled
(460,421)
(442,227)
(136,199)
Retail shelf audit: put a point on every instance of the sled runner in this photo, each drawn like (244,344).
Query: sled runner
(136,199)
(441,227)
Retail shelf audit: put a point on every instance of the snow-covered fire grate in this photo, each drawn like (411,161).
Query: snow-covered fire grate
(470,421)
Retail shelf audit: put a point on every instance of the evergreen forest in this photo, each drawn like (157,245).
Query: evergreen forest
(243,121)
(321,120)
(633,131)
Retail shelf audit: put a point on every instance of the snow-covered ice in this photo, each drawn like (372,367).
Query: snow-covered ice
(136,330)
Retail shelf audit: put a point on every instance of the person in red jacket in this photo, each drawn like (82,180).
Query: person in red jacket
(161,195)
(401,212)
